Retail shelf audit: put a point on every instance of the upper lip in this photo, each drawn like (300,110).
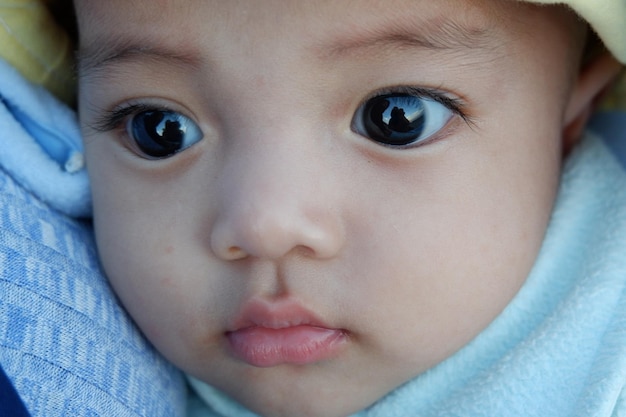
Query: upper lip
(275,315)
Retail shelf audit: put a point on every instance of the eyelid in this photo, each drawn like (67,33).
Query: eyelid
(113,119)
(116,117)
(457,105)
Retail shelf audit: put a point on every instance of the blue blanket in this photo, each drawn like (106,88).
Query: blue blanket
(66,345)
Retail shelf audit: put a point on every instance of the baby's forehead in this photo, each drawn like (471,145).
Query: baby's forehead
(443,15)
(333,30)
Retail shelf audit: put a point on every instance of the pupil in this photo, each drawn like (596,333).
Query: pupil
(158,133)
(395,119)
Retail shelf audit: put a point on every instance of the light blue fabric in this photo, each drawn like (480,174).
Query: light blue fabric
(65,343)
(559,348)
(613,126)
(40,144)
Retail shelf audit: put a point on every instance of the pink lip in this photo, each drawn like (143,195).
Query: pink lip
(271,334)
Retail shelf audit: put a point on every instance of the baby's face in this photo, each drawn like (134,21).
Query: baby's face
(307,204)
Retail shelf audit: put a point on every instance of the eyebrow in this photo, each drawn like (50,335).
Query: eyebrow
(105,53)
(438,35)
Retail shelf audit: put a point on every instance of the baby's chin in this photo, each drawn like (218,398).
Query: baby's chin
(299,396)
(311,406)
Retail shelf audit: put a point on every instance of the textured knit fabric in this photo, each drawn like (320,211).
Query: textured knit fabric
(559,348)
(66,345)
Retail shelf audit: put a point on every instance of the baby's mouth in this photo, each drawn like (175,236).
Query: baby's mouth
(269,334)
(296,345)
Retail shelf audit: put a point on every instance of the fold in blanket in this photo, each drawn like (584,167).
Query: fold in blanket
(41,144)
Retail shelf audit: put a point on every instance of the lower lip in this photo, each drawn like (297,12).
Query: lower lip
(297,345)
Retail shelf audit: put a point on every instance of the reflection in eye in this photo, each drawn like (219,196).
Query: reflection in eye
(400,119)
(162,133)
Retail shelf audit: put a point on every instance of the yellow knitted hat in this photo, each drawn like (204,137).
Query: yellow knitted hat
(606,17)
(32,42)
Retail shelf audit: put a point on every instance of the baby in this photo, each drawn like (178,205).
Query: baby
(325,208)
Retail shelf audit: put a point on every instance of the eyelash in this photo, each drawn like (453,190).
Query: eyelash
(456,105)
(115,118)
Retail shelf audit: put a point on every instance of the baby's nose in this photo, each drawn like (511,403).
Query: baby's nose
(275,205)
(271,231)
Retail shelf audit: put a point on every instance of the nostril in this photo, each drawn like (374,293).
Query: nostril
(235,252)
(271,238)
(222,245)
(271,231)
(232,253)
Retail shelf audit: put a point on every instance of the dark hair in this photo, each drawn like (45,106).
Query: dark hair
(64,14)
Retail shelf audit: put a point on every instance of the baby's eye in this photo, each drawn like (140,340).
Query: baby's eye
(400,119)
(162,133)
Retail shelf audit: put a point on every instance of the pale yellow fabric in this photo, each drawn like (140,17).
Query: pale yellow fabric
(33,43)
